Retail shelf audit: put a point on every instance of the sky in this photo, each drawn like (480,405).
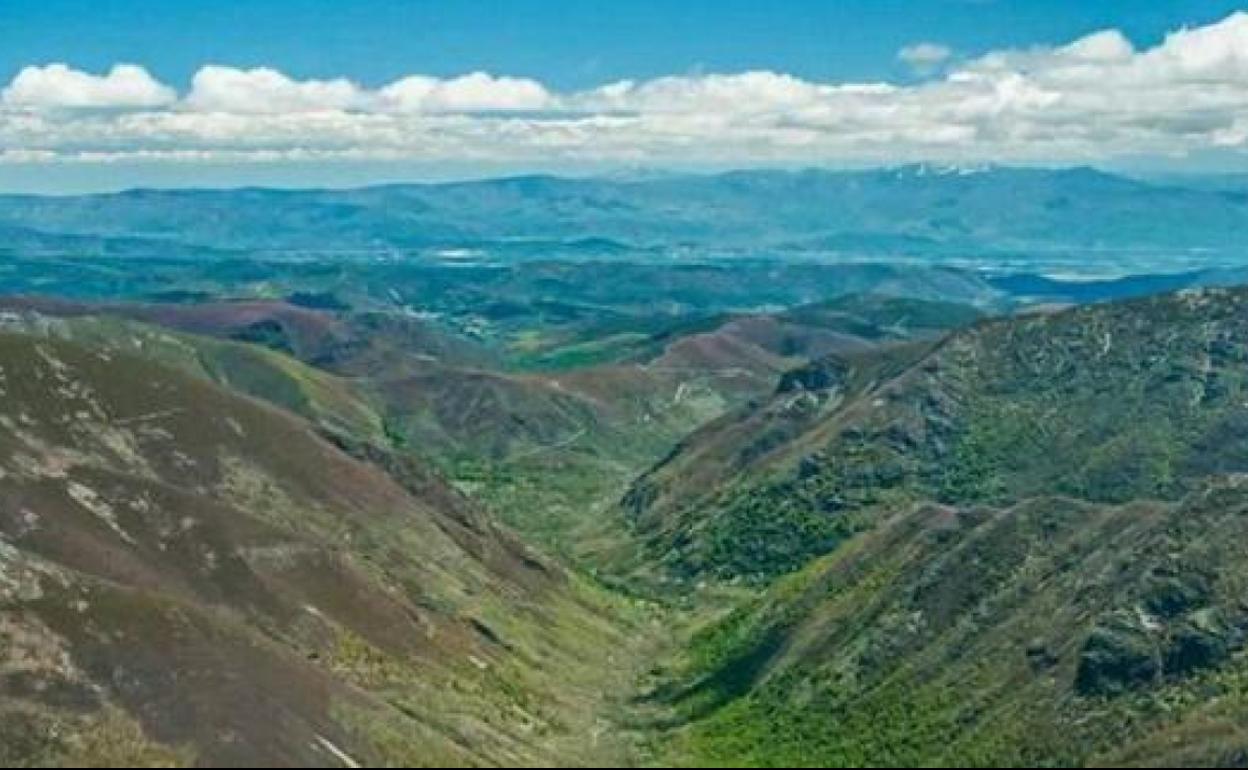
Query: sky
(119,93)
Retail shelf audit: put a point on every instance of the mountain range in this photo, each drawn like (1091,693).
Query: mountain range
(732,470)
(998,215)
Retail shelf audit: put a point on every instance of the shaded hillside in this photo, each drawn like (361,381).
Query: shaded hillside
(187,575)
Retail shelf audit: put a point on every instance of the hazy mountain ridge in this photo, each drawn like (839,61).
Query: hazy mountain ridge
(888,212)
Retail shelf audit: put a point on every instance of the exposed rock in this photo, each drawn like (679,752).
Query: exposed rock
(1120,655)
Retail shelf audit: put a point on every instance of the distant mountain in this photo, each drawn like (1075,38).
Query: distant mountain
(912,211)
(1027,288)
(1226,182)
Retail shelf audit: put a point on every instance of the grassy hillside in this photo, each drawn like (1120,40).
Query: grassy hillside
(332,403)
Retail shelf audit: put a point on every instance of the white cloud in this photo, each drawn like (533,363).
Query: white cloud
(1214,53)
(267,91)
(58,86)
(1106,47)
(477,92)
(925,57)
(1091,99)
(747,92)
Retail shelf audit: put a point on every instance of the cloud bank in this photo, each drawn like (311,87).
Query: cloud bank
(1094,99)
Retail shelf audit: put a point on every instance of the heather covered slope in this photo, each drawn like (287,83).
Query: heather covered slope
(331,402)
(353,344)
(188,575)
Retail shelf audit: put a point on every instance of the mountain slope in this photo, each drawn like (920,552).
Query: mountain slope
(188,575)
(1107,403)
(353,344)
(1052,632)
(330,402)
(1021,545)
(543,448)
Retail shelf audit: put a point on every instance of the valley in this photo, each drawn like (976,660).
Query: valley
(643,478)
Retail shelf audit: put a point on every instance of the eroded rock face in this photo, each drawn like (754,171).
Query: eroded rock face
(823,375)
(1170,594)
(1193,648)
(1178,629)
(1121,654)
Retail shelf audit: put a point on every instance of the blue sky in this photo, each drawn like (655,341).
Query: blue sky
(565,43)
(297,92)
